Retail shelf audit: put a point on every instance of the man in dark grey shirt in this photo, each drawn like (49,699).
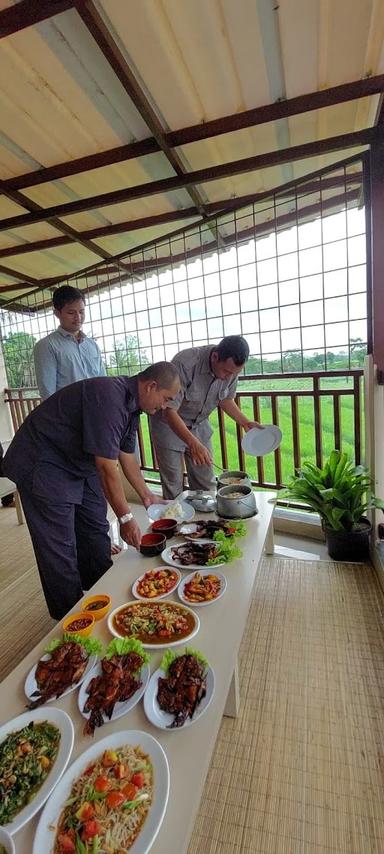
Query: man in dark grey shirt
(208,378)
(64,462)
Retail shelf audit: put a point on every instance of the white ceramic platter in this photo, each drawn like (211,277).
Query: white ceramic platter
(137,595)
(120,709)
(163,720)
(157,511)
(166,556)
(188,578)
(62,721)
(155,646)
(30,685)
(46,829)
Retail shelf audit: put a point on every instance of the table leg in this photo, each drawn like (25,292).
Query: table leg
(19,510)
(231,709)
(270,540)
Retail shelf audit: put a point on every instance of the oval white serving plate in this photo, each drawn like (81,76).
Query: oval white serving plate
(63,722)
(120,709)
(161,719)
(188,578)
(46,829)
(161,595)
(30,685)
(155,646)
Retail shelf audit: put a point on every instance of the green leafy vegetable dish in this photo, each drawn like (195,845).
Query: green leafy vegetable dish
(226,550)
(26,758)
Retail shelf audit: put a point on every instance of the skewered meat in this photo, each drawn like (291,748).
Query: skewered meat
(183,689)
(194,553)
(118,682)
(64,668)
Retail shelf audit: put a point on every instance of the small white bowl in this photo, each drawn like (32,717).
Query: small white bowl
(7,841)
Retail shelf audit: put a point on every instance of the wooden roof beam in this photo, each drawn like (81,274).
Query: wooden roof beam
(213,173)
(104,40)
(222,206)
(227,124)
(27,13)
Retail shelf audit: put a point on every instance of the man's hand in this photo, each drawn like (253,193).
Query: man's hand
(130,533)
(249,425)
(199,454)
(152,498)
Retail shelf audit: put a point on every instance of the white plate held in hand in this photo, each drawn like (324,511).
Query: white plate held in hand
(260,442)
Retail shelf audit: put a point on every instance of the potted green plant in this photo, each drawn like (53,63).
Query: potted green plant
(340,493)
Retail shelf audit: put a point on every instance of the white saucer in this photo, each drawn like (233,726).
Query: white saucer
(260,442)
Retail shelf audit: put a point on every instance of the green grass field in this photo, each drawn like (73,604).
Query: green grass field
(306,425)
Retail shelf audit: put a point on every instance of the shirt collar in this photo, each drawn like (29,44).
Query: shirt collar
(133,392)
(66,334)
(206,362)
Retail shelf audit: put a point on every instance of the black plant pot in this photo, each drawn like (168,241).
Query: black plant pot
(349,545)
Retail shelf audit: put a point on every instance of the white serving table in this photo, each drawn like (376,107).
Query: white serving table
(221,630)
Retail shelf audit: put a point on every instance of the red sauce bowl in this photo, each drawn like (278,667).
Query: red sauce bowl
(80,623)
(165,526)
(152,544)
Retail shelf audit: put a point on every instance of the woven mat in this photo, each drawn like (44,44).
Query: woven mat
(301,769)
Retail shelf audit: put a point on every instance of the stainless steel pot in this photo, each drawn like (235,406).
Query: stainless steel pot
(241,507)
(221,478)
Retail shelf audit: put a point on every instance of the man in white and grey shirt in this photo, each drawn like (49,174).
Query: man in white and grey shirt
(66,355)
(182,432)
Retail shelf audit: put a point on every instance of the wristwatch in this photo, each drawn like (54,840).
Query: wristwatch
(126,518)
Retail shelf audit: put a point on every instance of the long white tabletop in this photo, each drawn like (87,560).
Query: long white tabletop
(222,626)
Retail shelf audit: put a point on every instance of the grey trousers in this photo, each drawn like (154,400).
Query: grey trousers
(171,467)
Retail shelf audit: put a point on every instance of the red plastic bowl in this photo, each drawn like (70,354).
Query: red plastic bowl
(152,544)
(165,526)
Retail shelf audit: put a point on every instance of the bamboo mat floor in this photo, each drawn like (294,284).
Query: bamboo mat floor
(300,771)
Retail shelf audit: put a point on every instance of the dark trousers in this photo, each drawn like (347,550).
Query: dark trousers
(71,545)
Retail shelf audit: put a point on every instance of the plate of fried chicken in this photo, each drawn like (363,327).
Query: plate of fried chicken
(58,673)
(113,687)
(178,694)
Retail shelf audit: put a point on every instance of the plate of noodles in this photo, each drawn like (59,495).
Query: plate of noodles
(113,798)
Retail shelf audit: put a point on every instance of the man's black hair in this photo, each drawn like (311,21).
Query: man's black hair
(162,373)
(64,295)
(233,347)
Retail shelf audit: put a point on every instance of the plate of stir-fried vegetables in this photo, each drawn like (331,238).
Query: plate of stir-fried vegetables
(113,798)
(35,749)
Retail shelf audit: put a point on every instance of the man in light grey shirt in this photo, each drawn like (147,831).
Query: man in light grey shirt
(66,355)
(182,433)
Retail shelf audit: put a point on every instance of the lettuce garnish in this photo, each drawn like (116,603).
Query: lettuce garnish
(122,646)
(226,551)
(92,645)
(239,530)
(169,656)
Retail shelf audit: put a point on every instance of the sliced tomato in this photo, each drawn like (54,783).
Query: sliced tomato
(121,771)
(66,843)
(109,758)
(138,779)
(129,792)
(115,799)
(90,829)
(85,812)
(101,784)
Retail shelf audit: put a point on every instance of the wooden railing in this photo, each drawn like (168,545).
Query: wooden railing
(325,412)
